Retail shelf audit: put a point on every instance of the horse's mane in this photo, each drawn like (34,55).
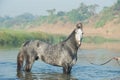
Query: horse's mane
(73,32)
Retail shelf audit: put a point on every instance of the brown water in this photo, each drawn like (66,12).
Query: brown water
(83,70)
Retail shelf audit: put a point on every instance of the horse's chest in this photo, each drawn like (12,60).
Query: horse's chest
(74,61)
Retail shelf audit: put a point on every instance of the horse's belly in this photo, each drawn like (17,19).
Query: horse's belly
(51,60)
(53,63)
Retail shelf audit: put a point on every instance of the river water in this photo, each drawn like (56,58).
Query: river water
(82,70)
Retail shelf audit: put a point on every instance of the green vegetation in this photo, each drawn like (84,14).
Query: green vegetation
(83,12)
(98,40)
(105,17)
(117,6)
(108,13)
(10,38)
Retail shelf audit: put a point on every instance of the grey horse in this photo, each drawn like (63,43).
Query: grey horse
(63,54)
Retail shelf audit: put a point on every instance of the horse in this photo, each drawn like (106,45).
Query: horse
(62,54)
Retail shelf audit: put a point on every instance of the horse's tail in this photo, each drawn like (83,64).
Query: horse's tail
(104,62)
(20,60)
(21,55)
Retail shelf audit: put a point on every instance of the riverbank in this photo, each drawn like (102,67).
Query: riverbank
(15,38)
(108,46)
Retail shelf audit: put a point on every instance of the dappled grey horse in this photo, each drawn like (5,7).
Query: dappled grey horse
(63,54)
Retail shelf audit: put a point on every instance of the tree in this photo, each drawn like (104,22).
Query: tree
(82,8)
(117,5)
(51,12)
(81,13)
(60,13)
(74,16)
(92,9)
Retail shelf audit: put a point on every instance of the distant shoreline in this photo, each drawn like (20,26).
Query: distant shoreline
(109,46)
(88,46)
(11,39)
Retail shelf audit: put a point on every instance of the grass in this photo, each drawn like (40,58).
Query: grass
(98,40)
(14,38)
(107,15)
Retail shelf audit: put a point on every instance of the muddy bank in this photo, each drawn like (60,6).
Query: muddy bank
(109,30)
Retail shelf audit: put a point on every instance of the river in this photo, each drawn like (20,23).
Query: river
(82,70)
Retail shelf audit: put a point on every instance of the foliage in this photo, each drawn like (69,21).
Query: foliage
(98,39)
(10,38)
(117,6)
(16,38)
(81,13)
(73,16)
(107,14)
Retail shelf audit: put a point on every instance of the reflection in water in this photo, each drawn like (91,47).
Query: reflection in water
(25,75)
(116,78)
(43,76)
(83,70)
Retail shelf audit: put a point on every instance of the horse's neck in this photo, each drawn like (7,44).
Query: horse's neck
(71,42)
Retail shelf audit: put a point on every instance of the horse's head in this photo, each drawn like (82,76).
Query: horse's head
(78,33)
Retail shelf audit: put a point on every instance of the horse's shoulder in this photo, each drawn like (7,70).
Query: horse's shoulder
(26,43)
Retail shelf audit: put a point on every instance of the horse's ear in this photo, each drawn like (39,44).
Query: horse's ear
(79,25)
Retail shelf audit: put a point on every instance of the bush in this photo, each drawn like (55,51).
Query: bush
(10,38)
(98,39)
(107,15)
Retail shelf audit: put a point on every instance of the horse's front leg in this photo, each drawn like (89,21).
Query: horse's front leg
(67,69)
(29,63)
